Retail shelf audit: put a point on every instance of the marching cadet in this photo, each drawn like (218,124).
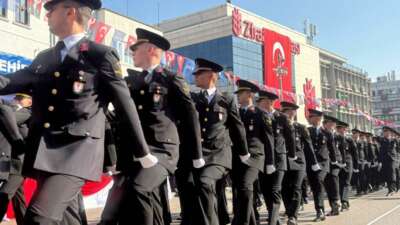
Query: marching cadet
(294,176)
(377,177)
(221,127)
(162,98)
(284,149)
(362,185)
(332,178)
(324,156)
(372,160)
(14,120)
(260,141)
(387,159)
(71,84)
(396,139)
(349,153)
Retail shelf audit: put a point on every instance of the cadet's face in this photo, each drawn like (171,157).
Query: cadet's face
(315,120)
(140,55)
(203,79)
(356,135)
(243,97)
(291,113)
(341,130)
(57,18)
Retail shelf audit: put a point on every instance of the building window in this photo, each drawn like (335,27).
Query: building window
(4,8)
(21,12)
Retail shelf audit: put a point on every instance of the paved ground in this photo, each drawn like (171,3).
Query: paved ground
(371,209)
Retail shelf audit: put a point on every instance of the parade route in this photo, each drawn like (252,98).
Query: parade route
(372,209)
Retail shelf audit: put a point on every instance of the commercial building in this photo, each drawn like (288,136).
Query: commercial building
(342,81)
(250,46)
(386,99)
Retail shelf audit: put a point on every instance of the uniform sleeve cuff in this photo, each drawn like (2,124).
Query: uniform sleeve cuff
(244,158)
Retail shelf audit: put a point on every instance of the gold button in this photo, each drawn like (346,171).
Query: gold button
(51,108)
(205,119)
(54,91)
(202,140)
(81,78)
(57,74)
(46,125)
(207,109)
(142,92)
(140,107)
(204,129)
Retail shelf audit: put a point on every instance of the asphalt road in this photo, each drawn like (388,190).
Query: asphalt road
(372,209)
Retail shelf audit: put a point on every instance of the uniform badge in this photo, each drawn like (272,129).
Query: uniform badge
(297,138)
(77,87)
(38,67)
(251,128)
(117,69)
(277,131)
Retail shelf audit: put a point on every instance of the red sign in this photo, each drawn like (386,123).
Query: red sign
(247,29)
(277,61)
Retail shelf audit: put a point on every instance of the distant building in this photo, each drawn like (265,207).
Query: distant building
(342,81)
(386,99)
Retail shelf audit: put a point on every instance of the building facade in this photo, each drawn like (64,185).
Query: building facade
(386,99)
(345,82)
(238,40)
(23,32)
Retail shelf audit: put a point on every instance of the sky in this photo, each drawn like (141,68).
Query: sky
(365,32)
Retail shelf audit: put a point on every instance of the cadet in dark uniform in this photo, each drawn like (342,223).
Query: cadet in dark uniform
(284,148)
(371,159)
(14,119)
(349,154)
(220,127)
(362,182)
(294,176)
(260,141)
(324,156)
(162,98)
(71,86)
(332,178)
(387,159)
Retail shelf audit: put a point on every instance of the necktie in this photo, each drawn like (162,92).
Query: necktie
(57,49)
(147,76)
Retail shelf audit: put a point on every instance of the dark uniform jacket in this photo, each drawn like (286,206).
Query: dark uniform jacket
(70,98)
(304,149)
(260,138)
(161,102)
(388,153)
(220,128)
(283,138)
(348,151)
(362,154)
(324,147)
(13,128)
(371,156)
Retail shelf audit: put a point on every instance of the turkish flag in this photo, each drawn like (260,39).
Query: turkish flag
(131,41)
(277,61)
(102,31)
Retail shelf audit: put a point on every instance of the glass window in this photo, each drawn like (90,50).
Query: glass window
(21,12)
(3,8)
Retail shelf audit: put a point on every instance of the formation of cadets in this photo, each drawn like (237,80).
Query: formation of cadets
(159,128)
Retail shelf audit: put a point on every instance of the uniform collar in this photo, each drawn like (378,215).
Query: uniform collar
(152,68)
(211,91)
(72,40)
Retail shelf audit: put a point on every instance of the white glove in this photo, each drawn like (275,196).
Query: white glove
(148,161)
(292,159)
(198,163)
(356,171)
(335,163)
(380,164)
(315,167)
(271,169)
(244,158)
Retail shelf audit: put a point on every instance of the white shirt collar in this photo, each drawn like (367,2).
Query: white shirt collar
(152,68)
(211,91)
(71,40)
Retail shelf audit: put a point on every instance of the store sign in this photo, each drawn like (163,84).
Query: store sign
(248,30)
(11,63)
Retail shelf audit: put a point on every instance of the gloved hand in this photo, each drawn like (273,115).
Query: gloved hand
(148,161)
(270,169)
(198,163)
(315,167)
(244,158)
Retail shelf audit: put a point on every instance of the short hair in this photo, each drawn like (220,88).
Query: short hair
(84,13)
